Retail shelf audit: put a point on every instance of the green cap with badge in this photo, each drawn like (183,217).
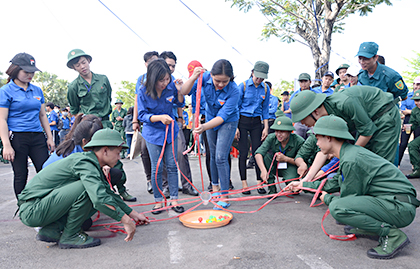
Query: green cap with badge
(119,101)
(304,76)
(416,95)
(106,138)
(342,66)
(304,103)
(283,123)
(261,69)
(368,49)
(334,126)
(76,53)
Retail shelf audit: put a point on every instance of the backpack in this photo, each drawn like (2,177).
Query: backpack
(59,123)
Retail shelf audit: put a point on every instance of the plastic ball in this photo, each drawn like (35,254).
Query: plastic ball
(200,219)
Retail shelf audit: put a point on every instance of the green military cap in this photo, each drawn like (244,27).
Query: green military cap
(304,103)
(283,123)
(342,66)
(334,126)
(304,76)
(119,101)
(106,138)
(76,53)
(416,95)
(261,69)
(368,49)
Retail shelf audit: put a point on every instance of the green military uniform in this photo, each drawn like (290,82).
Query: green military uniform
(339,85)
(374,195)
(414,146)
(386,79)
(370,112)
(94,98)
(308,150)
(66,193)
(118,123)
(272,145)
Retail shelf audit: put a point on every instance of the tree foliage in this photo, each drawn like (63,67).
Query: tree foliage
(310,22)
(126,93)
(414,65)
(3,81)
(284,85)
(55,90)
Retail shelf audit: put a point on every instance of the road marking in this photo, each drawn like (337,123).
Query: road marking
(314,262)
(175,250)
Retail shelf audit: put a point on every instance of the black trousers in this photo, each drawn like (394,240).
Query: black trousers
(404,139)
(26,144)
(251,126)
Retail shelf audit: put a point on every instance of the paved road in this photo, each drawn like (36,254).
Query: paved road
(285,234)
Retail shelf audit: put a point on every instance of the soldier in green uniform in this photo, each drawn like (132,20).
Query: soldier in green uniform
(306,154)
(367,110)
(378,75)
(341,72)
(375,199)
(89,93)
(414,146)
(282,145)
(117,118)
(67,192)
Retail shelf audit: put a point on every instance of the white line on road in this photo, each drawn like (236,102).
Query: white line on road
(314,262)
(175,250)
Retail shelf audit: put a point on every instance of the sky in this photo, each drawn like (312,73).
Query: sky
(50,29)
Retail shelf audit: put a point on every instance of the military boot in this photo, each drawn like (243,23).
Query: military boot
(360,233)
(78,240)
(127,197)
(415,174)
(389,245)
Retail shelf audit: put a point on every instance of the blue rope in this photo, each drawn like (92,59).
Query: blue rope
(124,23)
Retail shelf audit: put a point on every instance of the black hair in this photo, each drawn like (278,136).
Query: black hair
(13,72)
(84,130)
(222,67)
(74,61)
(168,54)
(50,105)
(130,110)
(269,84)
(381,59)
(156,71)
(149,55)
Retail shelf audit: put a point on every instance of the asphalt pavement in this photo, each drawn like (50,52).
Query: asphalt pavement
(285,234)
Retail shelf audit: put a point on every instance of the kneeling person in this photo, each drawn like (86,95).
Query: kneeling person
(67,192)
(283,145)
(375,197)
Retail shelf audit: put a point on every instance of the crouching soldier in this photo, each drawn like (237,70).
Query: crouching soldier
(67,192)
(376,199)
(282,145)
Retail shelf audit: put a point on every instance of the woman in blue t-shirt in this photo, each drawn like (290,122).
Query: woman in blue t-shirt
(23,120)
(155,101)
(222,115)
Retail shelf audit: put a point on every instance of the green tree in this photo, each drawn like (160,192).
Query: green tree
(311,23)
(3,81)
(55,90)
(126,93)
(284,85)
(414,65)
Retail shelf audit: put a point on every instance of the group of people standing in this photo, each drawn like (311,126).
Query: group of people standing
(375,198)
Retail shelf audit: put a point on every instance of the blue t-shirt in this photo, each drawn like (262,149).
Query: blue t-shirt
(408,103)
(140,82)
(53,117)
(298,91)
(328,92)
(154,132)
(327,167)
(286,106)
(54,157)
(24,107)
(221,103)
(66,123)
(185,116)
(272,107)
(252,100)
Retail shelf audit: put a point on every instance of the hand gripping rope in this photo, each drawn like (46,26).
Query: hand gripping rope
(116,227)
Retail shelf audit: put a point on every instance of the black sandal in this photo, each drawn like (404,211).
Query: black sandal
(156,210)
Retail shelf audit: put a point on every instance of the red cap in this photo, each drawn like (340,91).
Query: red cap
(192,65)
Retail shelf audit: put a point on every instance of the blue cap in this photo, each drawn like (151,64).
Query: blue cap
(368,49)
(329,73)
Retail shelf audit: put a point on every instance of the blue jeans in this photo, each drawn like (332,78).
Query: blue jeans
(129,137)
(220,142)
(154,153)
